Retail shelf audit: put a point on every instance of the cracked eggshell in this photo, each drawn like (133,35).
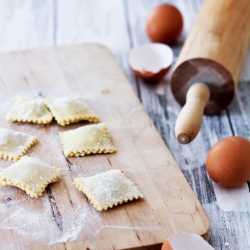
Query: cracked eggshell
(151,62)
(185,241)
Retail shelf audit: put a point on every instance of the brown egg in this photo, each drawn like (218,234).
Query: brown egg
(228,161)
(164,24)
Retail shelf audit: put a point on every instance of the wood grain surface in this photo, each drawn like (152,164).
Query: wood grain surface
(169,204)
(120,25)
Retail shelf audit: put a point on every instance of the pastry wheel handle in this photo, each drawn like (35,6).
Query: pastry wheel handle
(190,118)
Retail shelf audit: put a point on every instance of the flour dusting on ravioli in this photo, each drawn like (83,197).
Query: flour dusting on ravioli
(90,139)
(108,189)
(14,144)
(70,109)
(30,174)
(30,110)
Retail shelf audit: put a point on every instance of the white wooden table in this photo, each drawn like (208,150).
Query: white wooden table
(120,25)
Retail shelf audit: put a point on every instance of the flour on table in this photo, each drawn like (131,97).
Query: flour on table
(33,222)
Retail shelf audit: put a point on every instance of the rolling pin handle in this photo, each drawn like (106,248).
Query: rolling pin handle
(190,118)
(183,138)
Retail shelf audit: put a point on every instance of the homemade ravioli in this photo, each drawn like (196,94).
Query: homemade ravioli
(30,110)
(30,174)
(86,140)
(70,109)
(108,189)
(14,144)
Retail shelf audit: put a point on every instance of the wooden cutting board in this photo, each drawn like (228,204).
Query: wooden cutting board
(63,218)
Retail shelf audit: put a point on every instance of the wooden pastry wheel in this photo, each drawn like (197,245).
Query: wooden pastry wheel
(207,71)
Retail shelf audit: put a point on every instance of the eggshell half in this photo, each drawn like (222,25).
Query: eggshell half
(151,62)
(185,241)
(228,161)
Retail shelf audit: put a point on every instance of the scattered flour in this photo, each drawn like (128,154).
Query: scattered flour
(33,222)
(26,222)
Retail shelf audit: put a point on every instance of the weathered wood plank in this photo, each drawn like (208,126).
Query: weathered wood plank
(163,110)
(26,24)
(102,22)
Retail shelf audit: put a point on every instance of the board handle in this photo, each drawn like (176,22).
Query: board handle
(190,118)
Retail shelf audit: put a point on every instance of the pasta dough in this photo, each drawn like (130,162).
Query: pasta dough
(30,110)
(14,144)
(86,140)
(108,189)
(70,109)
(30,174)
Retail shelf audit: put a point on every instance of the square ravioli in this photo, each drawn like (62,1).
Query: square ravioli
(70,109)
(108,189)
(14,144)
(86,140)
(30,110)
(31,175)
